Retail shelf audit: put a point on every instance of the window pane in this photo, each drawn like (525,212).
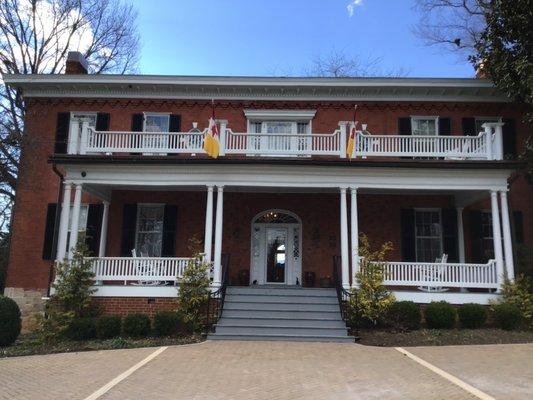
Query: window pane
(82,220)
(426,126)
(428,236)
(149,230)
(278,127)
(156,123)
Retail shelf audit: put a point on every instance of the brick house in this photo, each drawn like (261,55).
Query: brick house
(120,159)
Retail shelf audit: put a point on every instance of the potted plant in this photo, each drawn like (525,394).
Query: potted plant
(326,282)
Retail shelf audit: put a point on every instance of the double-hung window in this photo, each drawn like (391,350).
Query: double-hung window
(82,222)
(487,239)
(428,235)
(149,232)
(425,126)
(156,123)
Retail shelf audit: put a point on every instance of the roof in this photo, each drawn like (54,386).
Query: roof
(257,88)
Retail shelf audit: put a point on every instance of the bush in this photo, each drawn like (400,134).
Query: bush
(10,322)
(404,316)
(136,325)
(472,316)
(440,315)
(81,329)
(520,294)
(167,323)
(507,316)
(108,326)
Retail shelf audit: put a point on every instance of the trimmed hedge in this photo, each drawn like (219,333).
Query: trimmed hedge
(108,326)
(472,316)
(440,315)
(167,323)
(404,315)
(10,321)
(136,325)
(81,329)
(507,316)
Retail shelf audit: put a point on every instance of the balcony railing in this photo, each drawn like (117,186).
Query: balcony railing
(487,145)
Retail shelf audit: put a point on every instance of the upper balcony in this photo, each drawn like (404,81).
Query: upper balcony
(485,145)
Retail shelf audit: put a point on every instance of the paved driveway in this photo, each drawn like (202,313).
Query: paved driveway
(274,370)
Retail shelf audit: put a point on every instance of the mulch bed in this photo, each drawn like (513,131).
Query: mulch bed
(31,345)
(442,337)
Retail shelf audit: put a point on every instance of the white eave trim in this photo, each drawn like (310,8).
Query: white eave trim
(280,114)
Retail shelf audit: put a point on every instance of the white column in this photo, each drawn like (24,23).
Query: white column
(73,135)
(507,241)
(208,224)
(222,149)
(63,223)
(345,263)
(497,235)
(75,220)
(342,147)
(217,274)
(103,229)
(354,231)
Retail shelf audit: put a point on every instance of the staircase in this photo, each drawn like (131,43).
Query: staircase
(281,313)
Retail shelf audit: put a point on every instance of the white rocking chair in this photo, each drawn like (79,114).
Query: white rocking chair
(434,274)
(143,268)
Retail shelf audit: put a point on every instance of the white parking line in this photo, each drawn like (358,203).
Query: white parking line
(456,381)
(108,386)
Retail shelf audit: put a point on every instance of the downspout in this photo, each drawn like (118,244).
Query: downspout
(56,227)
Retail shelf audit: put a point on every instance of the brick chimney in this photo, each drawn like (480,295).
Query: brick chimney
(76,64)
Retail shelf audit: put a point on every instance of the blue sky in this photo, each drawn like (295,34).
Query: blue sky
(281,37)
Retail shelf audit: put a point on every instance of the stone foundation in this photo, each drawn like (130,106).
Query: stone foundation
(30,302)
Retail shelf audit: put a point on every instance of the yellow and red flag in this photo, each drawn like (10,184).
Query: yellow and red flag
(351,141)
(212,137)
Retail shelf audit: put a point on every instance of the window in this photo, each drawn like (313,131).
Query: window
(487,240)
(149,233)
(82,222)
(426,126)
(481,120)
(428,235)
(156,122)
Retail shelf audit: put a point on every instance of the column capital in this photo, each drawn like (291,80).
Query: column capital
(493,193)
(79,186)
(210,188)
(353,189)
(220,188)
(503,193)
(343,189)
(106,203)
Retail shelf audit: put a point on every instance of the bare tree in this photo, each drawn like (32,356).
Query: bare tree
(454,25)
(35,38)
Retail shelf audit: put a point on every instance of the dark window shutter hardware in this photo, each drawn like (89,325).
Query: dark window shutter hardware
(94,226)
(170,222)
(450,234)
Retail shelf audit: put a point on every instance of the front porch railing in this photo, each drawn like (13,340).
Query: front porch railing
(143,270)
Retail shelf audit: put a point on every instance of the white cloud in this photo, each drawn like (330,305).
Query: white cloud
(351,7)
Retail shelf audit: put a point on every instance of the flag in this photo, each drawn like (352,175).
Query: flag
(212,137)
(351,141)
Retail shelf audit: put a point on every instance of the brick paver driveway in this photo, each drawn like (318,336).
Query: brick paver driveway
(272,370)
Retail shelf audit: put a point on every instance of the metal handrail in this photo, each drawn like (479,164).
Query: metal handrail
(215,300)
(345,297)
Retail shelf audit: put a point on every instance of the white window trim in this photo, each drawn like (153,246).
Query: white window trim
(424,117)
(146,114)
(139,205)
(441,237)
(280,115)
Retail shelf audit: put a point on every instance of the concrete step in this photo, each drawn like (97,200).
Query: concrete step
(262,298)
(285,322)
(275,330)
(282,337)
(295,315)
(285,291)
(278,306)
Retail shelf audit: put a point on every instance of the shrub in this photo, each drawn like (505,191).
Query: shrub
(167,323)
(136,325)
(472,316)
(520,294)
(507,316)
(404,315)
(10,321)
(440,315)
(81,329)
(108,326)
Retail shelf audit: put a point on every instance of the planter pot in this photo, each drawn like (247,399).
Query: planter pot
(326,282)
(309,279)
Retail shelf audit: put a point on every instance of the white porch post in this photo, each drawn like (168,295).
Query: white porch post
(354,231)
(507,241)
(63,223)
(103,229)
(72,141)
(217,273)
(342,147)
(75,220)
(345,263)
(208,224)
(222,149)
(497,236)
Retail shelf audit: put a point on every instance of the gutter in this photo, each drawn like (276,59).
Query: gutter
(56,227)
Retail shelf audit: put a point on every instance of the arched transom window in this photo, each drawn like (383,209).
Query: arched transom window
(276,217)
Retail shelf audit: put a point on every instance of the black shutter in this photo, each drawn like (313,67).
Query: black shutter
(518,223)
(170,222)
(129,225)
(449,233)
(408,235)
(476,237)
(94,225)
(469,127)
(509,138)
(445,126)
(404,126)
(137,121)
(174,124)
(49,231)
(102,122)
(63,122)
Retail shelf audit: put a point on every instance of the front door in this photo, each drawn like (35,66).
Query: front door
(276,255)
